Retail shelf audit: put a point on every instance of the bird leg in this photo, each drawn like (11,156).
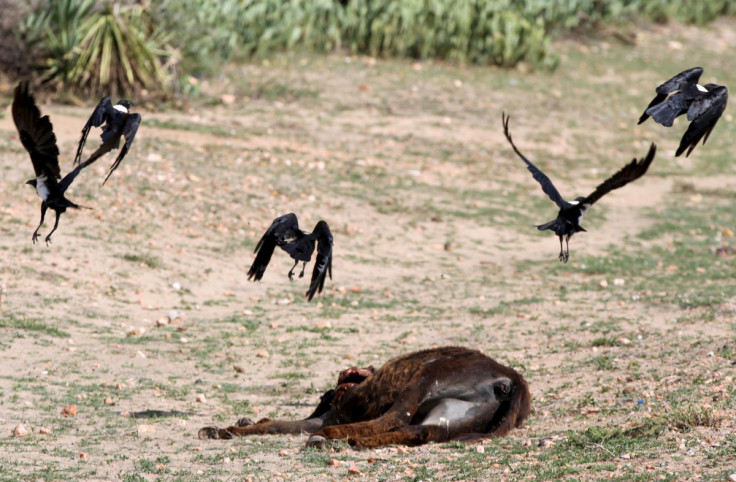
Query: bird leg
(291,271)
(563,256)
(301,275)
(43,214)
(56,225)
(567,247)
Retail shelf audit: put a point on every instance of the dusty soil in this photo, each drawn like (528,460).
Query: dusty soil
(139,312)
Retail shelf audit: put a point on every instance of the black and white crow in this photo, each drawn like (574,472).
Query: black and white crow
(118,122)
(572,212)
(37,135)
(683,94)
(284,232)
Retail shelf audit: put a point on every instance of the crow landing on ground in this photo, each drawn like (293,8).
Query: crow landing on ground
(284,232)
(682,94)
(118,122)
(37,135)
(572,212)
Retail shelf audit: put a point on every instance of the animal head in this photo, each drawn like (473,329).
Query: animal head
(123,105)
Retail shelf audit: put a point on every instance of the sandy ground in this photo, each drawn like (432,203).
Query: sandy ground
(140,313)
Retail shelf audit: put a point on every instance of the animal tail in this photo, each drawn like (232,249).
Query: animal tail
(665,113)
(550,225)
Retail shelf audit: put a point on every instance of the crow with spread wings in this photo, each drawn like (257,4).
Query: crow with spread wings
(284,232)
(571,213)
(683,94)
(117,122)
(37,136)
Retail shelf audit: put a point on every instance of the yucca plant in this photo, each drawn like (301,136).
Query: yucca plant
(108,49)
(117,54)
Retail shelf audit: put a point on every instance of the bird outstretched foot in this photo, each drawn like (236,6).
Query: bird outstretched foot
(564,256)
(35,237)
(48,240)
(291,275)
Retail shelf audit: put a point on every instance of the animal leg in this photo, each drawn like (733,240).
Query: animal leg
(291,271)
(43,215)
(262,427)
(304,267)
(563,258)
(56,225)
(567,247)
(409,435)
(393,419)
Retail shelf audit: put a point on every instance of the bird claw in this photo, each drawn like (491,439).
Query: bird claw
(34,238)
(564,256)
(48,240)
(291,276)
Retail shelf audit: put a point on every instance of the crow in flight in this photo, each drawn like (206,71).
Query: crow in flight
(284,232)
(683,94)
(572,212)
(118,122)
(37,135)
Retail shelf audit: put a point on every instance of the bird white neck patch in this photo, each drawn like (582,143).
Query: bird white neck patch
(574,203)
(120,108)
(701,88)
(41,188)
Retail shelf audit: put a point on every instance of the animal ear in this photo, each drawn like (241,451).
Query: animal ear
(502,388)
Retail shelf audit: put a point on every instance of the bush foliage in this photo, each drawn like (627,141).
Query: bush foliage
(499,32)
(102,46)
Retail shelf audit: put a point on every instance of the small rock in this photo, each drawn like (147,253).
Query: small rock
(727,233)
(333,462)
(732,477)
(273,325)
(163,321)
(239,368)
(201,398)
(140,354)
(623,341)
(83,455)
(603,284)
(710,353)
(20,431)
(44,431)
(262,354)
(625,456)
(145,428)
(619,282)
(353,469)
(108,401)
(480,449)
(323,324)
(176,286)
(70,410)
(227,99)
(284,453)
(119,386)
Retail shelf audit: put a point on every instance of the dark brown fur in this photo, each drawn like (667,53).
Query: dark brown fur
(435,395)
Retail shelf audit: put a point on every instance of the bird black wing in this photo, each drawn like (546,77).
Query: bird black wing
(129,130)
(704,114)
(37,134)
(102,112)
(282,229)
(689,76)
(630,172)
(547,186)
(323,263)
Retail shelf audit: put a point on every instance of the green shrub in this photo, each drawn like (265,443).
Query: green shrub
(106,50)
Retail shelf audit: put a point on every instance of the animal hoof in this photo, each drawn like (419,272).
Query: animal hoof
(317,442)
(209,433)
(244,422)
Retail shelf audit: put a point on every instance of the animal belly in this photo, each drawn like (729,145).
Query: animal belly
(449,412)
